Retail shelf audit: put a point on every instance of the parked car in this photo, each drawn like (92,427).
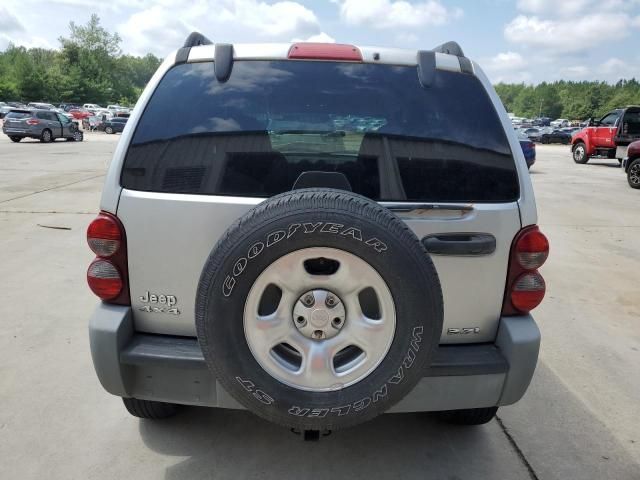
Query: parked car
(555,136)
(92,106)
(115,125)
(532,133)
(608,137)
(263,266)
(44,125)
(79,113)
(4,109)
(115,109)
(41,106)
(631,164)
(528,149)
(571,130)
(541,122)
(69,106)
(559,123)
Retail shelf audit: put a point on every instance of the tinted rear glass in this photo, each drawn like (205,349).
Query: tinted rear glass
(18,115)
(255,134)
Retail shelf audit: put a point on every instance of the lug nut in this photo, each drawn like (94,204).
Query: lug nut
(300,320)
(318,334)
(309,300)
(337,322)
(330,301)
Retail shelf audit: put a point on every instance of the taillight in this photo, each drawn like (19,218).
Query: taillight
(107,275)
(104,236)
(532,248)
(104,279)
(33,121)
(525,287)
(324,51)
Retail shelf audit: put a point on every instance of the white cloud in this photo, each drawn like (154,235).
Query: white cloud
(396,13)
(9,22)
(575,72)
(158,29)
(553,7)
(321,37)
(614,69)
(568,35)
(154,29)
(276,20)
(508,67)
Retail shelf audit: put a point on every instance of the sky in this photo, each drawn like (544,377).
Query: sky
(513,40)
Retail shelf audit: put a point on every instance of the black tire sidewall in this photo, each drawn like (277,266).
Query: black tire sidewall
(585,158)
(407,271)
(631,165)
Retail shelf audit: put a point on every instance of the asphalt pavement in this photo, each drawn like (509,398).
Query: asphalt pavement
(579,420)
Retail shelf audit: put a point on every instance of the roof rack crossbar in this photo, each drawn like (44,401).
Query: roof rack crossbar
(451,48)
(196,38)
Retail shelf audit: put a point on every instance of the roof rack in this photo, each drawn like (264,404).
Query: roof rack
(450,48)
(196,38)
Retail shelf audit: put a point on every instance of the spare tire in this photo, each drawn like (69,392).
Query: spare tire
(318,309)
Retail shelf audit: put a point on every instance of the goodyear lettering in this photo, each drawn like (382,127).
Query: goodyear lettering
(259,247)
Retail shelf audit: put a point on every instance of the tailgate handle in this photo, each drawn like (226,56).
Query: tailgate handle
(460,244)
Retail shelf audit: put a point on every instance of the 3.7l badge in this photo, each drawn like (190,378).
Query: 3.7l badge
(159,303)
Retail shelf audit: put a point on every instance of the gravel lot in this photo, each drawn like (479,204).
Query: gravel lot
(580,419)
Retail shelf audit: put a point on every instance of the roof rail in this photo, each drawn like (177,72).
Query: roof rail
(196,38)
(451,48)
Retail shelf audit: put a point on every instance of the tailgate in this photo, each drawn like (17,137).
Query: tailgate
(171,235)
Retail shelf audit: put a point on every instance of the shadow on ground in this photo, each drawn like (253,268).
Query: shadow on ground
(612,164)
(236,444)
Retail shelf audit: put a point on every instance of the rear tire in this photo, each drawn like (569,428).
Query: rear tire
(471,416)
(633,174)
(108,130)
(15,139)
(579,152)
(46,136)
(149,409)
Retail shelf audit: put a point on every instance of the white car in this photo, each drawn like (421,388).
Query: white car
(91,106)
(318,233)
(560,123)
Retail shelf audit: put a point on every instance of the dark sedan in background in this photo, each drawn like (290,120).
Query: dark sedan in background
(116,124)
(555,136)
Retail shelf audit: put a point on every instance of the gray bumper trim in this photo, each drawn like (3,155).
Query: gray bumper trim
(172,369)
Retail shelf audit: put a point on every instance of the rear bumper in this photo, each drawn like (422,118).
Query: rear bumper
(172,369)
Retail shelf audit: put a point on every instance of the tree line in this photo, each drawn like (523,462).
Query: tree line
(89,67)
(572,100)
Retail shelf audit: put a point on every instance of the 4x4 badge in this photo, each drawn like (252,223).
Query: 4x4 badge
(159,303)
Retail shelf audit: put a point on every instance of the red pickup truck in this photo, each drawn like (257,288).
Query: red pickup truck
(608,137)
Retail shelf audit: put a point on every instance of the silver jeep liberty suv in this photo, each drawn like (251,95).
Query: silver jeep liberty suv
(318,233)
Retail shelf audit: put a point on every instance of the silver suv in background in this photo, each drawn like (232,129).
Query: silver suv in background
(318,233)
(44,125)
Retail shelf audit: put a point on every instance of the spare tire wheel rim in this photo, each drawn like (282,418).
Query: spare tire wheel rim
(319,338)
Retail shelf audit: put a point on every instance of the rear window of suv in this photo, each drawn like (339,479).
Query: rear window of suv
(256,133)
(17,115)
